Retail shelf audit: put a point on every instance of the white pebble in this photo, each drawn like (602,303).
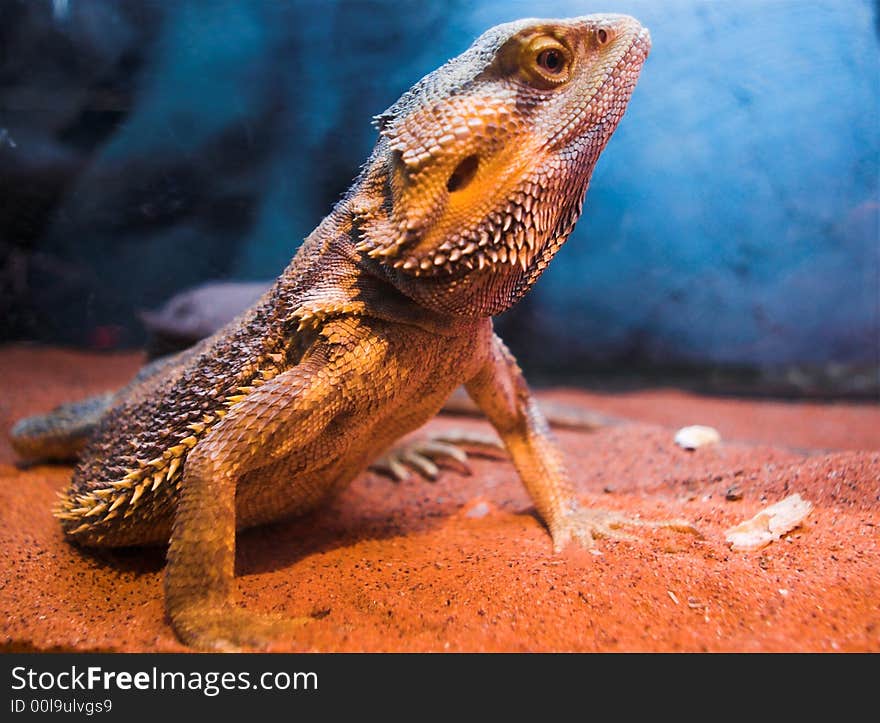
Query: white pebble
(481,509)
(769,524)
(696,436)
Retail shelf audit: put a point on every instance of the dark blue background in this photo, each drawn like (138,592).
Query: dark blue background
(148,146)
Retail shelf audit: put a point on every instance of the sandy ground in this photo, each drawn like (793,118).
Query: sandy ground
(463,564)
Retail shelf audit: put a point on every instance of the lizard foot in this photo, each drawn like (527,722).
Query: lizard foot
(586,525)
(424,455)
(228,629)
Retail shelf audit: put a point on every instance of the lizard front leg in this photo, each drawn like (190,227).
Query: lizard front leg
(271,424)
(501,392)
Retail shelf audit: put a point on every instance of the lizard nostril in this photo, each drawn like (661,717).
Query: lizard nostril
(463,174)
(602,36)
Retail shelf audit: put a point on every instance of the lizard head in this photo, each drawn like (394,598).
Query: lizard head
(481,168)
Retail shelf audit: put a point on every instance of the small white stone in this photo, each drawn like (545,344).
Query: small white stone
(696,436)
(481,509)
(769,524)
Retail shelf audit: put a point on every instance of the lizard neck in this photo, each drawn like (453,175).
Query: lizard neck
(329,277)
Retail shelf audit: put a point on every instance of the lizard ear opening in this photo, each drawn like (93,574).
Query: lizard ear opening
(463,174)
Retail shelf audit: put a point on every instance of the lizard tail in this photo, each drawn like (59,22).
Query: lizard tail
(59,435)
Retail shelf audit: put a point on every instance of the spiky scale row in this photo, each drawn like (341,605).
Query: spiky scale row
(125,494)
(510,237)
(309,316)
(431,144)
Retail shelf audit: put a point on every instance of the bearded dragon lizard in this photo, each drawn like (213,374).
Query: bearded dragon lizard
(476,181)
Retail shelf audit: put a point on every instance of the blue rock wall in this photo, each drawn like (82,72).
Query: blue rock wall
(733,217)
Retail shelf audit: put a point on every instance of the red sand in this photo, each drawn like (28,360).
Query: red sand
(462,564)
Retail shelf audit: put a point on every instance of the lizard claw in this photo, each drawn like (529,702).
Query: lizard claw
(480,444)
(586,525)
(424,455)
(229,629)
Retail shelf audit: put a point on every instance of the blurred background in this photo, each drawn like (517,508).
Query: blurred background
(731,235)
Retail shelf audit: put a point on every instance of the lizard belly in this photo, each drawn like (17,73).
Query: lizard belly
(303,479)
(416,372)
(309,476)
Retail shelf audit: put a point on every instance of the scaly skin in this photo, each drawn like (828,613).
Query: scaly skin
(476,181)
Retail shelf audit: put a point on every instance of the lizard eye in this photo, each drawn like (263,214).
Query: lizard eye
(602,36)
(548,62)
(551,60)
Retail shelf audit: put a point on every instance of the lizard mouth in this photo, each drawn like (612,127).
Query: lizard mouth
(460,196)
